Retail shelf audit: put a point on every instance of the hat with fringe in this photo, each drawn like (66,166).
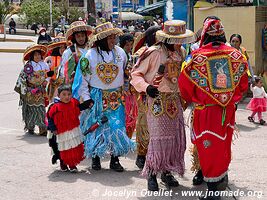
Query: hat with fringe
(175,32)
(36,47)
(78,26)
(104,30)
(57,42)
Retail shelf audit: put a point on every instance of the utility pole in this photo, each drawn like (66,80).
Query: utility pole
(51,16)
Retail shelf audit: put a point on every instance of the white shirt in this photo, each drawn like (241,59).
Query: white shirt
(258,92)
(65,57)
(93,80)
(40,66)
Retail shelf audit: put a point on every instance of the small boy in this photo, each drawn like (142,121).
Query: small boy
(66,139)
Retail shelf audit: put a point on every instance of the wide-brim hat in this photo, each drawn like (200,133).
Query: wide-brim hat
(57,42)
(78,26)
(175,32)
(36,47)
(139,42)
(104,30)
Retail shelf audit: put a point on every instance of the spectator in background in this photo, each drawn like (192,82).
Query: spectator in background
(34,27)
(43,38)
(12,26)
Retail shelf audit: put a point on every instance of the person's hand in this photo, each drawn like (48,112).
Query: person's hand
(50,73)
(152,91)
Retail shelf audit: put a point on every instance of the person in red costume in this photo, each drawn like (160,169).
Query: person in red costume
(214,79)
(66,138)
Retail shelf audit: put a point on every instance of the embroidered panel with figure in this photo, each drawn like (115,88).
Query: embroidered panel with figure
(217,75)
(220,74)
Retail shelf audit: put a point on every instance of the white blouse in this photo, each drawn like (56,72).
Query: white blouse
(258,92)
(116,56)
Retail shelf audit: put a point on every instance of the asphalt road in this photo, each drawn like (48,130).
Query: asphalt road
(26,171)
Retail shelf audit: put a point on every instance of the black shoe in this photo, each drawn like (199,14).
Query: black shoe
(262,122)
(31,131)
(96,163)
(210,198)
(222,184)
(169,179)
(250,119)
(152,184)
(198,178)
(63,167)
(115,164)
(140,161)
(73,169)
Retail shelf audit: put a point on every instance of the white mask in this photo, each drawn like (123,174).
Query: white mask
(43,33)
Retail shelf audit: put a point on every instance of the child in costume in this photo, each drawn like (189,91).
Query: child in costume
(258,103)
(53,59)
(63,121)
(126,42)
(31,85)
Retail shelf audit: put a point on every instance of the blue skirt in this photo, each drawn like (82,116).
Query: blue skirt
(108,138)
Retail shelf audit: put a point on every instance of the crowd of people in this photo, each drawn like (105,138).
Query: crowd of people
(91,90)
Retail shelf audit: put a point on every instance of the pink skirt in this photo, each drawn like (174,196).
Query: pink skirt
(257,104)
(167,143)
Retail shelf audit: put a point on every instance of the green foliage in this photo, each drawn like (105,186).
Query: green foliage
(71,13)
(38,11)
(75,13)
(5,9)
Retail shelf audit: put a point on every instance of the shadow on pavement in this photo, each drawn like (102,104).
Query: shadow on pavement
(32,139)
(105,177)
(245,128)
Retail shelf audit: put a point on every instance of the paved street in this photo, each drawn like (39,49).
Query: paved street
(26,171)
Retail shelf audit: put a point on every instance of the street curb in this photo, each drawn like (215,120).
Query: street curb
(15,40)
(12,50)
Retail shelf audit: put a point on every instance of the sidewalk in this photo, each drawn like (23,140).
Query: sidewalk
(16,43)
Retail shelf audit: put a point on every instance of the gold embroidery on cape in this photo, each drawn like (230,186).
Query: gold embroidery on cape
(107,73)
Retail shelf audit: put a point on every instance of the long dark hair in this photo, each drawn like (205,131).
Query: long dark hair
(150,35)
(214,39)
(169,46)
(102,45)
(237,36)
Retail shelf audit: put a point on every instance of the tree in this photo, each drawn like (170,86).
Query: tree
(5,9)
(71,13)
(38,11)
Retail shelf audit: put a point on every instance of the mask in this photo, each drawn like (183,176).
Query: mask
(43,33)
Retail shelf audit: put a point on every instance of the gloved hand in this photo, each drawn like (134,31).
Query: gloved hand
(152,91)
(87,104)
(50,73)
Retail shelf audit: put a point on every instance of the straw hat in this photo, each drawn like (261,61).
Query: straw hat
(175,32)
(57,42)
(78,26)
(36,47)
(104,30)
